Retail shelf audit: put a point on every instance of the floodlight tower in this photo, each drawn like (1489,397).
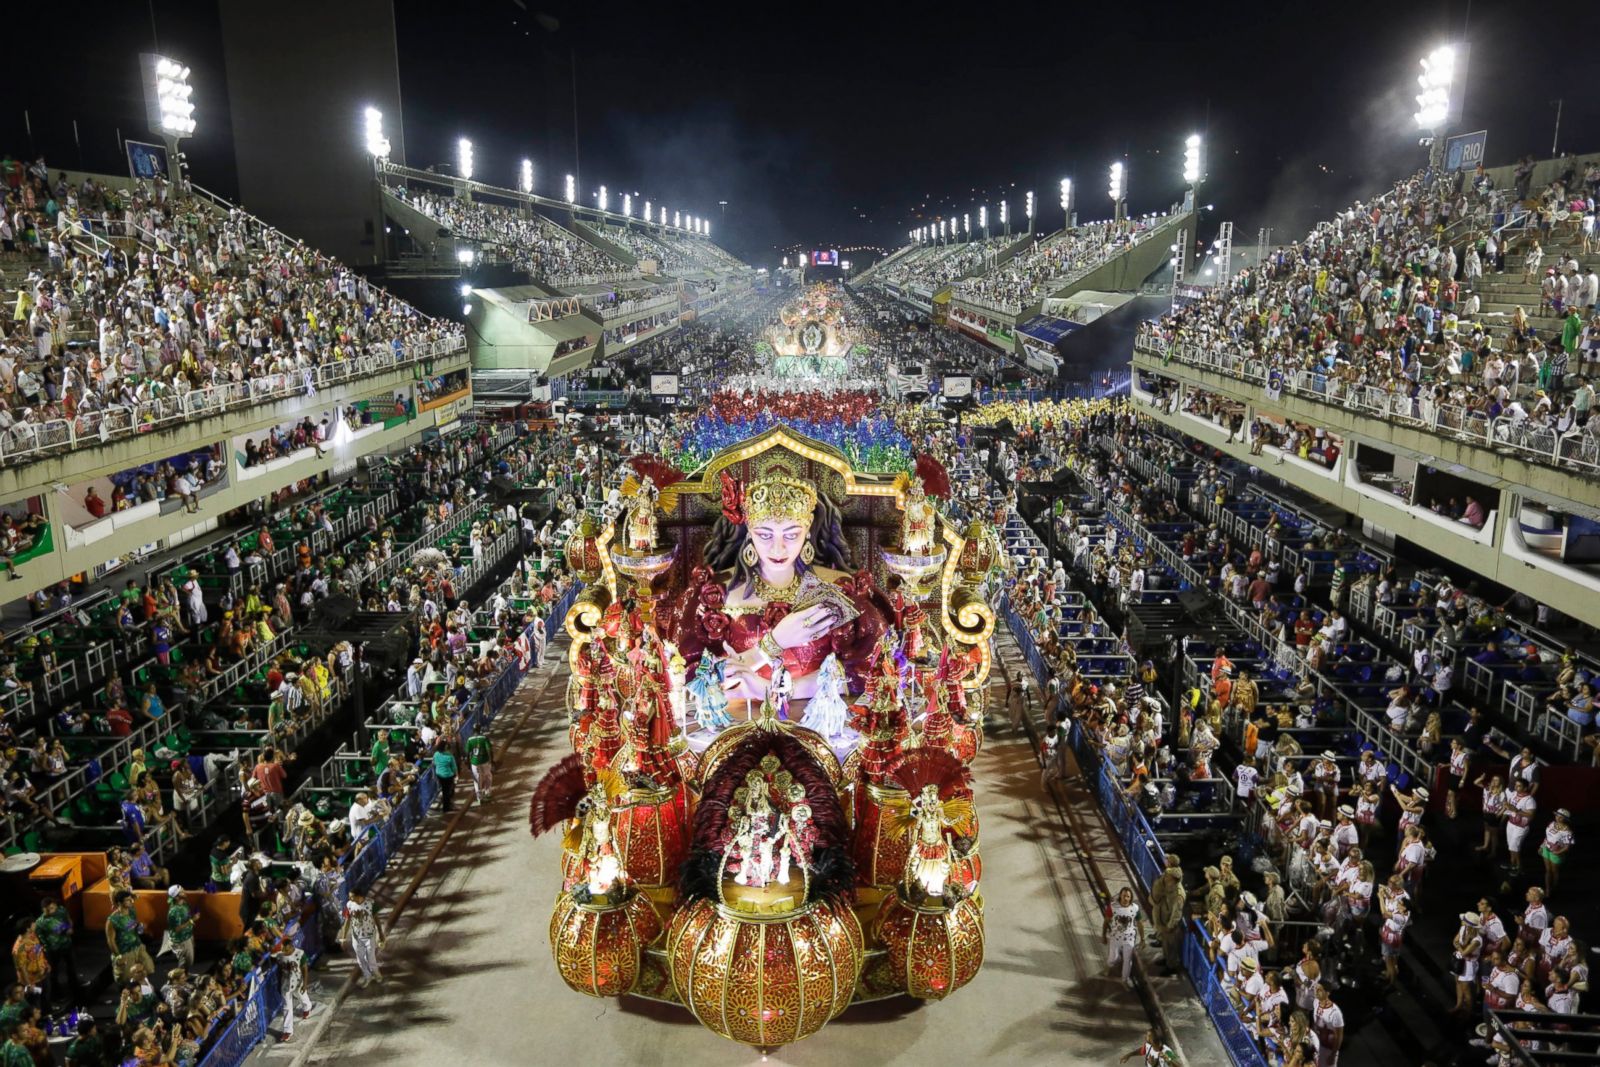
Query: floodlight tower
(1442,81)
(168,107)
(1119,191)
(1193,169)
(983,220)
(525,178)
(378,149)
(1028,211)
(1005,218)
(1066,203)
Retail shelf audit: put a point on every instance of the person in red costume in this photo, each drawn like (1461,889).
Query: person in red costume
(775,585)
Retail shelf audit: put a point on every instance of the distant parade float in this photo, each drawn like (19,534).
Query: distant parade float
(778,666)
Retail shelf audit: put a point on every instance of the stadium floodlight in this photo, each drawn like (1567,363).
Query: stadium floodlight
(526,178)
(966,224)
(941,229)
(627,206)
(983,216)
(572,189)
(1433,103)
(785,261)
(1066,195)
(464,158)
(167,94)
(377,143)
(604,198)
(1028,205)
(1117,190)
(466,290)
(464,256)
(705,228)
(1005,214)
(1191,159)
(647,211)
(677,220)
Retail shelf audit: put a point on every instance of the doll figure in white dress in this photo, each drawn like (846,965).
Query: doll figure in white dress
(827,713)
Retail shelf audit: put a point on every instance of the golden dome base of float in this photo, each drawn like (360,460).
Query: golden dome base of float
(599,945)
(765,980)
(932,948)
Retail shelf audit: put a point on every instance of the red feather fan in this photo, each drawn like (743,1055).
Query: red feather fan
(918,767)
(935,479)
(555,798)
(663,474)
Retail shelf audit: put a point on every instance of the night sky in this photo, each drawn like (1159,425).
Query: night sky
(838,125)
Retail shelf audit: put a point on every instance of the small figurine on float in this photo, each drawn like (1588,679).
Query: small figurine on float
(677,694)
(710,700)
(594,870)
(779,690)
(936,806)
(828,712)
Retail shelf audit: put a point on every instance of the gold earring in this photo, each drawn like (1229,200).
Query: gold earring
(748,554)
(808,553)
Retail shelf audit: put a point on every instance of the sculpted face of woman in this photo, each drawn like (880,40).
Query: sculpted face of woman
(778,542)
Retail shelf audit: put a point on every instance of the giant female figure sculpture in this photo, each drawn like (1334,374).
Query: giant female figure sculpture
(775,587)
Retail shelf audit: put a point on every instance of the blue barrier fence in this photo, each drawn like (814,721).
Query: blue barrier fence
(265,999)
(1148,859)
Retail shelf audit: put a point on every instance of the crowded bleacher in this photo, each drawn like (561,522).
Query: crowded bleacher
(136,307)
(1443,302)
(546,251)
(1052,263)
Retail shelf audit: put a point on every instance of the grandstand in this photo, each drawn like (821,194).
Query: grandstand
(1475,407)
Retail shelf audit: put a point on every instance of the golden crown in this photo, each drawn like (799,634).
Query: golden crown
(778,497)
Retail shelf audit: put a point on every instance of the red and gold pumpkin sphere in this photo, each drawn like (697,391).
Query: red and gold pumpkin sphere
(933,949)
(878,850)
(597,945)
(651,829)
(769,980)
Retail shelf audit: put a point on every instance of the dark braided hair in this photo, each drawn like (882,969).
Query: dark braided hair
(826,536)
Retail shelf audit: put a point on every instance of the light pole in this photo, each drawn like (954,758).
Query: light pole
(1066,203)
(1439,102)
(1118,190)
(378,149)
(525,179)
(1193,169)
(572,189)
(168,107)
(1028,210)
(1005,218)
(983,220)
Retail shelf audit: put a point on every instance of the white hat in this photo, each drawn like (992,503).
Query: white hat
(174,890)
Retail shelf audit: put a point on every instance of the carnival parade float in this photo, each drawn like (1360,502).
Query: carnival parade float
(778,666)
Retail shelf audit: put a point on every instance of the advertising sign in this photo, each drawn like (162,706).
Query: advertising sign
(146,160)
(1464,151)
(957,385)
(663,385)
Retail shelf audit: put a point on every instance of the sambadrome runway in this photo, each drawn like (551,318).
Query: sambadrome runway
(471,979)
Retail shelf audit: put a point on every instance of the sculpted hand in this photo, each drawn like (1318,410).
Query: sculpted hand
(802,627)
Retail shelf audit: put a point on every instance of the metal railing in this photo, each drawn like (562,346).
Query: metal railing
(1575,449)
